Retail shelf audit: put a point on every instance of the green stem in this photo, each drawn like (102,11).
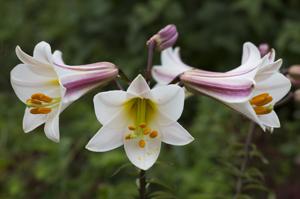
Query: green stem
(142,182)
(239,183)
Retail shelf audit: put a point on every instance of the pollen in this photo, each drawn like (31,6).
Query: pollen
(128,137)
(153,134)
(261,100)
(142,143)
(40,110)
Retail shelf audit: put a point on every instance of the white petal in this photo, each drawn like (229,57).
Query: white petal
(142,158)
(25,82)
(36,65)
(108,105)
(164,75)
(57,57)
(247,110)
(277,85)
(250,53)
(32,121)
(138,87)
(42,52)
(175,134)
(107,138)
(52,126)
(170,100)
(270,120)
(268,69)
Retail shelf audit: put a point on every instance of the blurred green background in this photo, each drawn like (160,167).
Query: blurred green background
(211,37)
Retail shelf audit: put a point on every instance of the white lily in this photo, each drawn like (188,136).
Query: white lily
(47,86)
(251,89)
(140,119)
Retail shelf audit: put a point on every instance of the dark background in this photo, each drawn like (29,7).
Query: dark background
(211,37)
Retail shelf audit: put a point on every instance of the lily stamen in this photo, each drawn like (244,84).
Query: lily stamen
(258,103)
(41,103)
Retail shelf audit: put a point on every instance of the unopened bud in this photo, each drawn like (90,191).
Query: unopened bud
(294,75)
(165,38)
(297,95)
(264,49)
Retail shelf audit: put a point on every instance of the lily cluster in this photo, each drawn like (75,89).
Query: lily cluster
(141,118)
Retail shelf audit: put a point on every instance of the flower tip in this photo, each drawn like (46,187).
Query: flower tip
(264,49)
(165,38)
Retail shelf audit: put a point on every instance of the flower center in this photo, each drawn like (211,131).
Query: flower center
(41,103)
(259,104)
(141,112)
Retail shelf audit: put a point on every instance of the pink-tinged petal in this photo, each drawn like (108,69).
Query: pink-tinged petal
(175,134)
(229,89)
(108,104)
(138,87)
(32,121)
(37,66)
(107,138)
(87,67)
(164,75)
(170,100)
(143,158)
(270,120)
(277,85)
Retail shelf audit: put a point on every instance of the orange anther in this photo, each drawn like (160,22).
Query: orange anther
(142,143)
(143,125)
(153,134)
(261,100)
(34,101)
(146,131)
(261,110)
(131,128)
(128,137)
(41,97)
(40,110)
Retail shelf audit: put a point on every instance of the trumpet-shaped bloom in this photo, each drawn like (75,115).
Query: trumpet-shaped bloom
(251,89)
(47,86)
(140,119)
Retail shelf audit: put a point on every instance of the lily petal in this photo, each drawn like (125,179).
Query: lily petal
(270,120)
(170,100)
(108,105)
(138,87)
(175,134)
(143,158)
(52,126)
(42,52)
(107,138)
(277,85)
(32,121)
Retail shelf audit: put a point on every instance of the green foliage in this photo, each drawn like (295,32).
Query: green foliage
(211,36)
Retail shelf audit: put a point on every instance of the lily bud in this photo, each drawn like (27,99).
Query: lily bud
(264,49)
(165,38)
(297,95)
(294,75)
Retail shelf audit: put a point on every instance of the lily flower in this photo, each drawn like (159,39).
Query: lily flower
(140,119)
(47,86)
(251,89)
